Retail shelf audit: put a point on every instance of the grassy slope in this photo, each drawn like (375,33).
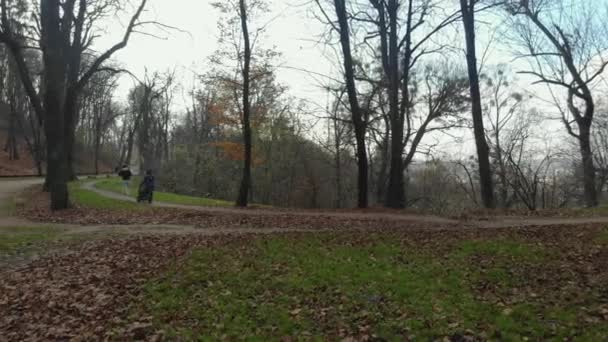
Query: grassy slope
(115,185)
(16,239)
(313,287)
(18,242)
(91,199)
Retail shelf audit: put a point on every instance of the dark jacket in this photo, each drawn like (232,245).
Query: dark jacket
(125,174)
(148,183)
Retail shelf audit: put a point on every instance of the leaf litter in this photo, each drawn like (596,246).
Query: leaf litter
(88,294)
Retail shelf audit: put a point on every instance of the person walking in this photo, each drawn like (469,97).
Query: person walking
(126,174)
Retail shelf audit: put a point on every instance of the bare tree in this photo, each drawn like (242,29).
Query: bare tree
(243,62)
(405,31)
(504,110)
(600,150)
(483,151)
(147,101)
(359,117)
(98,112)
(243,196)
(528,177)
(566,43)
(66,32)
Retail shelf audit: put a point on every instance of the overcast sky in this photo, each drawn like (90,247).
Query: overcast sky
(294,32)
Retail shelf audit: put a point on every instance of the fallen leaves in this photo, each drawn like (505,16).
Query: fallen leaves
(86,294)
(37,210)
(83,293)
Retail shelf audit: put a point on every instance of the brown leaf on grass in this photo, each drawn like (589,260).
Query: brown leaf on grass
(82,293)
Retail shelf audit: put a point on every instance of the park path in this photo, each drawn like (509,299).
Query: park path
(281,212)
(496,222)
(10,187)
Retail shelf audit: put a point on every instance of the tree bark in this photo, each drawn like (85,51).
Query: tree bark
(71,117)
(589,173)
(243,196)
(483,151)
(54,95)
(338,163)
(396,186)
(357,117)
(11,142)
(97,142)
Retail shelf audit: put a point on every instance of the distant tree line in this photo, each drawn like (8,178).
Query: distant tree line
(413,72)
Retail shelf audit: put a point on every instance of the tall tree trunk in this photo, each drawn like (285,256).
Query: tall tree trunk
(338,166)
(383,170)
(145,147)
(130,141)
(396,187)
(483,151)
(71,117)
(502,170)
(246,181)
(11,142)
(589,174)
(33,145)
(54,95)
(357,117)
(97,144)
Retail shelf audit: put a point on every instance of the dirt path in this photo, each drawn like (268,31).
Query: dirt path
(498,222)
(10,187)
(280,212)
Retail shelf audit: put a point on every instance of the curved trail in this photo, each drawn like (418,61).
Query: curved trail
(10,187)
(279,212)
(498,222)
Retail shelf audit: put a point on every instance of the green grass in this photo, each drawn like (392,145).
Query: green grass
(313,287)
(90,199)
(115,185)
(603,237)
(9,207)
(602,210)
(19,240)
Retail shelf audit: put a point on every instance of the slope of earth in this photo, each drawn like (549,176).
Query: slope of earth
(24,166)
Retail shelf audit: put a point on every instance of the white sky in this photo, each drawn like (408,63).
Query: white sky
(294,32)
(291,31)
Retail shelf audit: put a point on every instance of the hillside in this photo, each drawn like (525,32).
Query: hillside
(25,166)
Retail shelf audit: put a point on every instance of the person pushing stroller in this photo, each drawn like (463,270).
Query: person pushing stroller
(146,188)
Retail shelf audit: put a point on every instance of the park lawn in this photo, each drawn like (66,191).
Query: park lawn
(601,210)
(115,185)
(23,240)
(325,286)
(90,199)
(8,208)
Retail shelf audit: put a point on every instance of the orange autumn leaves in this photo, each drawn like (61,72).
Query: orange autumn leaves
(220,114)
(236,151)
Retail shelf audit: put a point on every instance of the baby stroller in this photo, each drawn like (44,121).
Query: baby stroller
(146,189)
(144,194)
